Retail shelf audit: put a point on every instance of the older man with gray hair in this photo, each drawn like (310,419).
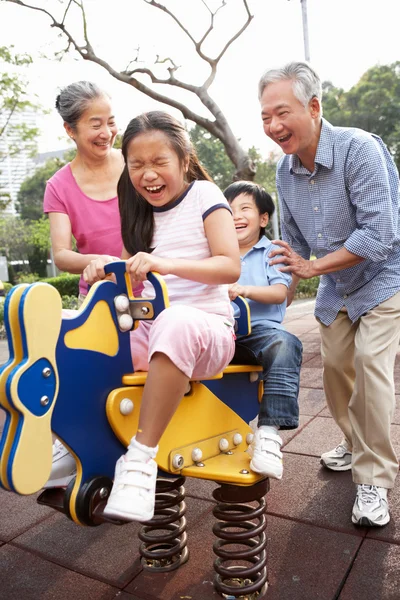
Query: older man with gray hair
(339,201)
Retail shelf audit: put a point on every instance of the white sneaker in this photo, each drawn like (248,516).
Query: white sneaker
(265,450)
(338,459)
(133,493)
(63,469)
(370,506)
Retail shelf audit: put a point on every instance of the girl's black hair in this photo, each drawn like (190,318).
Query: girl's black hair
(263,200)
(137,222)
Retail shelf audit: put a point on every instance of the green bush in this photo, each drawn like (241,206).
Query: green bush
(70,302)
(307,288)
(66,284)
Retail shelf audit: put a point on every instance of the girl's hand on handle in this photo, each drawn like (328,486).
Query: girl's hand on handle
(95,269)
(141,263)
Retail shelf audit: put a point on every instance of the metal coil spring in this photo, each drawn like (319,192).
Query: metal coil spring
(238,529)
(162,551)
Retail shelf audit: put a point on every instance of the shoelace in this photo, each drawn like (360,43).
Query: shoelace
(368,494)
(341,449)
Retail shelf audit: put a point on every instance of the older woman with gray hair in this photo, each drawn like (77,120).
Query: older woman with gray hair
(81,198)
(81,201)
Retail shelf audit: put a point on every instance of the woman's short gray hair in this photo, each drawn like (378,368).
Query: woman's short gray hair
(306,83)
(73,100)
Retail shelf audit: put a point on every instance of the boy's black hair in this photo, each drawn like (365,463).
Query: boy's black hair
(263,200)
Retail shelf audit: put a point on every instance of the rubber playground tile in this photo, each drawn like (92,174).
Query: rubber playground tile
(311,401)
(311,343)
(19,513)
(315,363)
(300,326)
(108,553)
(375,574)
(289,434)
(311,494)
(318,436)
(311,378)
(25,576)
(308,356)
(87,549)
(200,488)
(295,568)
(294,550)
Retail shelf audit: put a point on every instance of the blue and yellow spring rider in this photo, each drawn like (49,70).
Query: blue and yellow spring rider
(72,378)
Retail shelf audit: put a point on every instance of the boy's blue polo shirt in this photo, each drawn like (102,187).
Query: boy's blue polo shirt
(256,270)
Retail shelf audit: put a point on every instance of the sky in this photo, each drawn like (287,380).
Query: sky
(346,38)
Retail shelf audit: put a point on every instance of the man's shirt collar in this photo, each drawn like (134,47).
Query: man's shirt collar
(324,155)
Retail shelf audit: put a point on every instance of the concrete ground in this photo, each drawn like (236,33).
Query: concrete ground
(314,552)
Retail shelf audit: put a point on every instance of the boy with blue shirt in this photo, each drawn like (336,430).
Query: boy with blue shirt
(279,352)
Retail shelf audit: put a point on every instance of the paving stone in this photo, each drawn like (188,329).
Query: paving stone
(200,488)
(311,378)
(108,553)
(25,576)
(311,401)
(311,494)
(311,343)
(307,356)
(18,513)
(375,574)
(289,434)
(315,363)
(293,551)
(319,436)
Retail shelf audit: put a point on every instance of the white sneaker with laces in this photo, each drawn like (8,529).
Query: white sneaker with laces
(265,450)
(338,459)
(63,469)
(370,506)
(132,497)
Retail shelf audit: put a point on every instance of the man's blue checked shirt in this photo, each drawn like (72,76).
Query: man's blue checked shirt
(351,200)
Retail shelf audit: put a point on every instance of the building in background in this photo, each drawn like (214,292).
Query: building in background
(14,167)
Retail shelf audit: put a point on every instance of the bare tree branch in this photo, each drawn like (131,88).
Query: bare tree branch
(219,127)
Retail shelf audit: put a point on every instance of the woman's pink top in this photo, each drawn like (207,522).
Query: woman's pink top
(95,224)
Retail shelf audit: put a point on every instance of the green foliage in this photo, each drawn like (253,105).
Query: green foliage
(70,302)
(373,104)
(25,241)
(66,284)
(30,196)
(26,278)
(14,99)
(307,288)
(212,155)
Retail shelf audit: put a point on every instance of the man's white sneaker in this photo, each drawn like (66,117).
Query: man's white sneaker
(133,493)
(63,469)
(370,506)
(338,459)
(265,450)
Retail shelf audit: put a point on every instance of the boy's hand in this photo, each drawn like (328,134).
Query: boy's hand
(236,290)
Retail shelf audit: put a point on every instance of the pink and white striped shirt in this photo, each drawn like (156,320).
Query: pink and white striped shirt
(179,233)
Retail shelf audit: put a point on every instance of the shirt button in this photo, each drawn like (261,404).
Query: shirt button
(338,279)
(320,235)
(345,296)
(315,207)
(312,181)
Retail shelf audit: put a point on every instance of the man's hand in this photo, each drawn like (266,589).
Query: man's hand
(295,264)
(236,290)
